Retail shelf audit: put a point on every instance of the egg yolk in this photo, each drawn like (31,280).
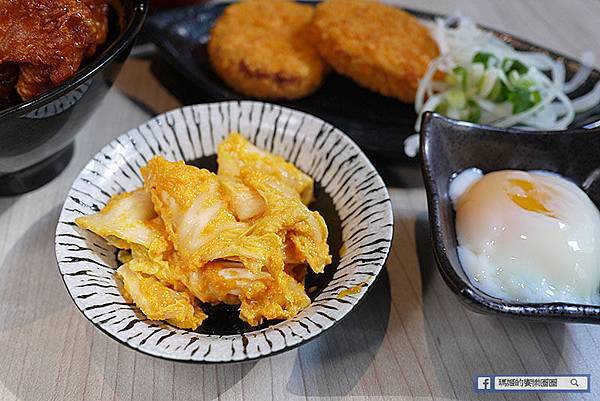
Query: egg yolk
(528,196)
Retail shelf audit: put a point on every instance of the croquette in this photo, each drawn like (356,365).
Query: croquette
(261,49)
(380,47)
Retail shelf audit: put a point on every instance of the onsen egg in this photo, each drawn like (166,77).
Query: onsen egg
(527,236)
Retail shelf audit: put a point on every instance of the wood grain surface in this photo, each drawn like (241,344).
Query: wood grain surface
(410,339)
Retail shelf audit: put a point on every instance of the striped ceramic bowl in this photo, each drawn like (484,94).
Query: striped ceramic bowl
(349,194)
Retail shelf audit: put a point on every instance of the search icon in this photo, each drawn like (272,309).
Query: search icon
(574,382)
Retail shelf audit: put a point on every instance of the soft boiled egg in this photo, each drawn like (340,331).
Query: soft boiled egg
(527,236)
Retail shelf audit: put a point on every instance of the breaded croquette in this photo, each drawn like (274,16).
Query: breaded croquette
(260,48)
(381,47)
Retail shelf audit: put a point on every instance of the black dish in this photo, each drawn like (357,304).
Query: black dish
(449,146)
(378,124)
(36,136)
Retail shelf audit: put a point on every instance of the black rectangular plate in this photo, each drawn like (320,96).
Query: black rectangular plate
(378,124)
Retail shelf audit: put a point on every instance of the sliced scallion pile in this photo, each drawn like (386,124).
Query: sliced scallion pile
(503,87)
(482,79)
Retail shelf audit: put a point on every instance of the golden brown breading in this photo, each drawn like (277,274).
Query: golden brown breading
(260,48)
(380,47)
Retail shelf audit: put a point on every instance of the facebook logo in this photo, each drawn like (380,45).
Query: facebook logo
(484,383)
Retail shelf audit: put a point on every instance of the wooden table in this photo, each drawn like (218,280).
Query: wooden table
(410,339)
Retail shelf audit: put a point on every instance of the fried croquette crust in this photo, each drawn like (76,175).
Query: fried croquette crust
(380,47)
(261,49)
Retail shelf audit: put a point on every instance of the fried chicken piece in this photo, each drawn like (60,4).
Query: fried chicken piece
(49,39)
(99,9)
(34,80)
(380,47)
(260,48)
(9,73)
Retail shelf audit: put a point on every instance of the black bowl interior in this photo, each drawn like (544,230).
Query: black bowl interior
(449,146)
(378,124)
(125,21)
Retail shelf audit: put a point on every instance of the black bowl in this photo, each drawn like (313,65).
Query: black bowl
(449,146)
(36,136)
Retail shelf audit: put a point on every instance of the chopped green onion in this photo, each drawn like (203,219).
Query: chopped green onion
(484,58)
(511,64)
(514,78)
(487,82)
(476,77)
(463,76)
(451,79)
(520,99)
(474,111)
(484,78)
(499,92)
(525,82)
(442,108)
(456,99)
(496,83)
